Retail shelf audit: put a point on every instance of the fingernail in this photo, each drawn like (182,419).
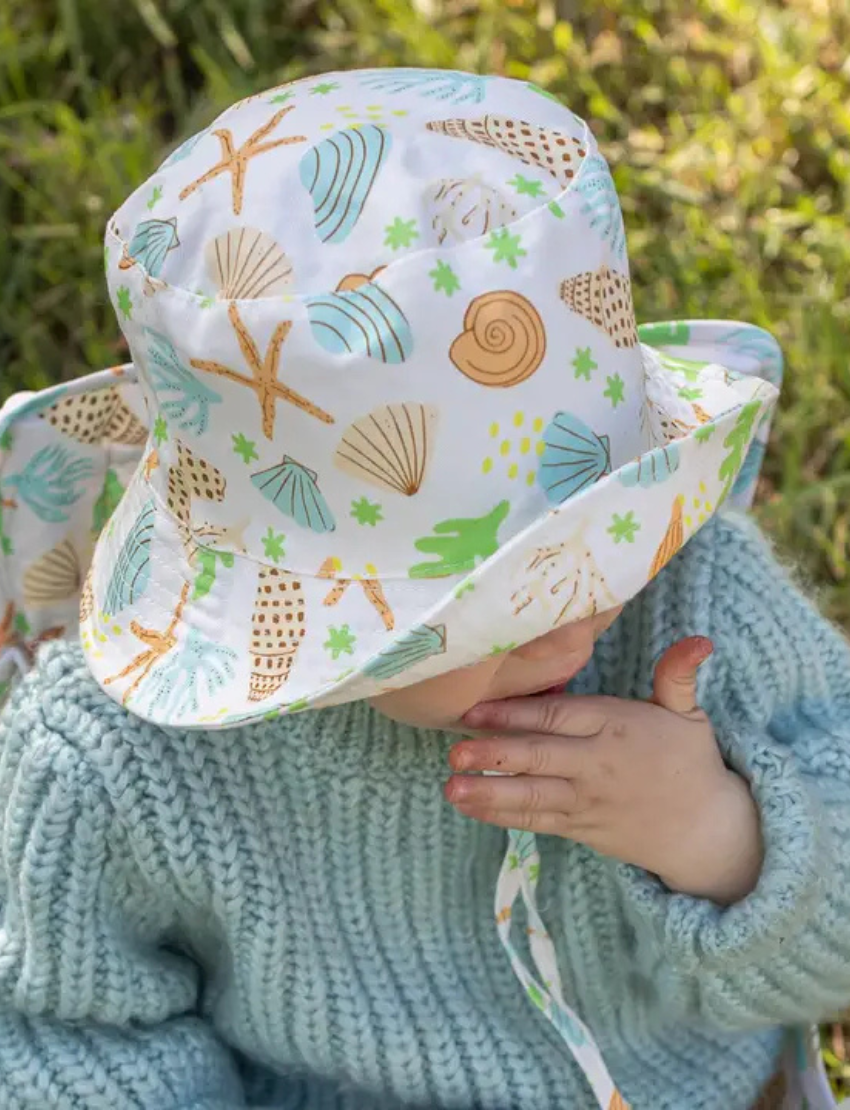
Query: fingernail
(474,716)
(457,791)
(459,759)
(702,649)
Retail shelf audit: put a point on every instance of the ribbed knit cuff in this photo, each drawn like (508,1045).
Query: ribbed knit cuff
(698,935)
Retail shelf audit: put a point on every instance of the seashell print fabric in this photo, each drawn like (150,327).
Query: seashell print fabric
(399,412)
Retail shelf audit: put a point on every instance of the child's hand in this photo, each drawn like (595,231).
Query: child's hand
(642,782)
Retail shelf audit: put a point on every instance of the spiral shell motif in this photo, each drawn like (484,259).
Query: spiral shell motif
(503,340)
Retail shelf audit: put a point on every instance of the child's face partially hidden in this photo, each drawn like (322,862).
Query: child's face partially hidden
(541,665)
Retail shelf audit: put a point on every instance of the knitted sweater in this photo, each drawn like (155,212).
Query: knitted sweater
(291,916)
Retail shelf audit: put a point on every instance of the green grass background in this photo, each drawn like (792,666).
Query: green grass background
(727,124)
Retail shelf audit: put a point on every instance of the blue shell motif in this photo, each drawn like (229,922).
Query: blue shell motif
(653,468)
(761,345)
(438,84)
(295,491)
(574,457)
(408,650)
(183,151)
(362,321)
(132,571)
(339,173)
(151,242)
(600,204)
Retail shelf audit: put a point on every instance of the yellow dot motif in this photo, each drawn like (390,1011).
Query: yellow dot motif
(701,508)
(519,454)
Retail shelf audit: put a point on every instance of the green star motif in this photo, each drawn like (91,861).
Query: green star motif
(22,625)
(400,233)
(624,528)
(273,545)
(616,391)
(505,247)
(6,440)
(6,545)
(704,433)
(690,393)
(245,448)
(206,300)
(156,195)
(584,363)
(160,430)
(125,302)
(445,279)
(527,187)
(324,88)
(340,641)
(368,512)
(557,210)
(282,98)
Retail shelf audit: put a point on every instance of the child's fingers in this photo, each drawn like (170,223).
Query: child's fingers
(554,714)
(552,824)
(516,797)
(561,757)
(675,682)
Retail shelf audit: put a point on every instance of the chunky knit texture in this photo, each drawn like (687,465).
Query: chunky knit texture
(291,916)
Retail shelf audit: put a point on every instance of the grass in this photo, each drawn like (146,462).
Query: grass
(727,123)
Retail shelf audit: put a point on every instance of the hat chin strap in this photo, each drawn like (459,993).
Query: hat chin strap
(518,878)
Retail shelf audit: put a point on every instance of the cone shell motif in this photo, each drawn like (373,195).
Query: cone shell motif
(277,629)
(97,417)
(558,153)
(605,298)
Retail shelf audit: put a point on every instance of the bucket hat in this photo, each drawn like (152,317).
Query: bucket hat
(400,414)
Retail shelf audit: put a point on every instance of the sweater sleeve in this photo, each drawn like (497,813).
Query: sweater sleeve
(95,1011)
(778,694)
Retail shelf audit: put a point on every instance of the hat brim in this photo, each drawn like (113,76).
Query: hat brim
(165,624)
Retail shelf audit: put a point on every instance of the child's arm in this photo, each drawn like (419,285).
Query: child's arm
(93,1011)
(778,694)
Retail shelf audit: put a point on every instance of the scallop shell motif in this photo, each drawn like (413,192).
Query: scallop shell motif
(390,448)
(652,468)
(151,242)
(339,173)
(295,491)
(466,208)
(408,650)
(503,341)
(362,320)
(246,263)
(53,578)
(438,84)
(574,457)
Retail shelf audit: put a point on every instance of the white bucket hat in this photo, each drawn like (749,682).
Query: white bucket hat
(400,414)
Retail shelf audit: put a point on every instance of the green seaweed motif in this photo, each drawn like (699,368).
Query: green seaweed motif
(460,544)
(737,441)
(665,331)
(107,501)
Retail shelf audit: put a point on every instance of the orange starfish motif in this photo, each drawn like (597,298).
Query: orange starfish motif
(371,588)
(159,645)
(263,380)
(234,160)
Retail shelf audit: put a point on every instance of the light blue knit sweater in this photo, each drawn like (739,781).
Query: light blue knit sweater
(291,915)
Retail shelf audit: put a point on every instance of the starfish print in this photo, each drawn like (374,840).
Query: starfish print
(234,160)
(244,447)
(365,512)
(125,302)
(340,641)
(444,278)
(524,185)
(505,247)
(324,88)
(273,545)
(615,391)
(160,430)
(371,588)
(263,379)
(624,528)
(159,645)
(584,363)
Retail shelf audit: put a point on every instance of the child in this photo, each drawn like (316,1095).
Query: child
(408,465)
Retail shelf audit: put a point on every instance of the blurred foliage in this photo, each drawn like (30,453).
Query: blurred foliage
(727,123)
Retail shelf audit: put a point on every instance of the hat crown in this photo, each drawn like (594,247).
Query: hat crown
(383,320)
